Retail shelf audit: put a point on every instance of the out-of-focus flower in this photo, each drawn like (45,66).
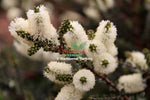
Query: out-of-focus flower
(105,5)
(132,83)
(6,4)
(137,59)
(92,13)
(71,15)
(12,83)
(13,13)
(147,4)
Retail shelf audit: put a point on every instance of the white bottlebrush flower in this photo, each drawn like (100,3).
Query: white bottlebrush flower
(22,48)
(137,59)
(6,4)
(132,83)
(105,63)
(40,25)
(104,5)
(69,92)
(112,49)
(76,35)
(84,80)
(19,24)
(13,13)
(106,32)
(94,48)
(57,68)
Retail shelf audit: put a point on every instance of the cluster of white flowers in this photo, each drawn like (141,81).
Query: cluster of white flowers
(99,46)
(39,26)
(102,48)
(37,30)
(132,83)
(137,59)
(61,73)
(135,82)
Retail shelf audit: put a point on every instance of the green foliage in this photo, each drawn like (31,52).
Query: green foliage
(46,69)
(35,48)
(107,26)
(91,34)
(25,35)
(36,10)
(65,27)
(64,77)
(105,63)
(92,47)
(83,80)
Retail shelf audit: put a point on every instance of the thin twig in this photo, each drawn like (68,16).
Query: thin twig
(110,83)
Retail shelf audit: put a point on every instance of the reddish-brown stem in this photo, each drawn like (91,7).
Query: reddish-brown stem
(62,43)
(111,98)
(108,82)
(105,79)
